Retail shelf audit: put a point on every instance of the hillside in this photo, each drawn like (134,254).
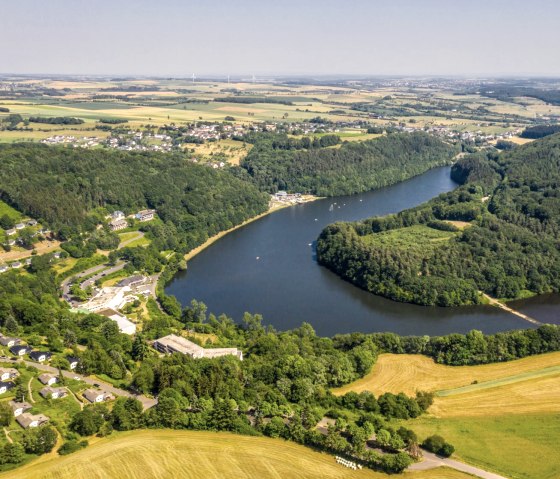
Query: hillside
(190,454)
(71,189)
(275,164)
(497,234)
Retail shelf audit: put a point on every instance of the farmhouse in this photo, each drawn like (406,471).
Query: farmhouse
(7,341)
(53,393)
(19,407)
(177,344)
(26,420)
(5,386)
(48,379)
(145,215)
(40,356)
(16,265)
(95,396)
(119,224)
(11,232)
(19,350)
(8,373)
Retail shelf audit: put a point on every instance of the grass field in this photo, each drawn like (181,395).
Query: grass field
(417,238)
(190,455)
(6,209)
(517,446)
(410,373)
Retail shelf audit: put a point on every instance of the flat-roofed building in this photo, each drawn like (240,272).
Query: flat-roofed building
(177,344)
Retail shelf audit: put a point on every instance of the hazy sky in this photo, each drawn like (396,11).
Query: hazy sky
(375,37)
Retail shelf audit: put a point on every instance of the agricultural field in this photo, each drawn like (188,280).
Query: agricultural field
(496,415)
(409,373)
(185,454)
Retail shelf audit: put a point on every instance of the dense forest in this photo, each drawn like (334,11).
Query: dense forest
(350,168)
(498,233)
(539,131)
(72,190)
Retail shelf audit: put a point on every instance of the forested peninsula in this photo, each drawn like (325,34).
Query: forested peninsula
(497,234)
(327,168)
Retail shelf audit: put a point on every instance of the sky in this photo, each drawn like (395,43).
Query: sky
(281,37)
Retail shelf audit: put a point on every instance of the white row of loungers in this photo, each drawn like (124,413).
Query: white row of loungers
(347,463)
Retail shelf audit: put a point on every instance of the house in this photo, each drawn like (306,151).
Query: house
(48,379)
(3,268)
(57,255)
(11,242)
(19,407)
(17,265)
(19,350)
(125,326)
(53,393)
(117,215)
(11,232)
(145,215)
(6,386)
(119,224)
(96,396)
(8,373)
(177,344)
(26,420)
(73,361)
(32,223)
(40,356)
(7,341)
(20,226)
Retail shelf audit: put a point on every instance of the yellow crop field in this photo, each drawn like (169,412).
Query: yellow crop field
(409,373)
(193,454)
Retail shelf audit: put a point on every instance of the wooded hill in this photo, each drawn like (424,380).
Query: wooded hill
(506,243)
(350,168)
(65,189)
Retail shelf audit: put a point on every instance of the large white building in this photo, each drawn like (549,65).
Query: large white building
(177,344)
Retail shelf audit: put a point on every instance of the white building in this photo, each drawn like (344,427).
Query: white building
(177,344)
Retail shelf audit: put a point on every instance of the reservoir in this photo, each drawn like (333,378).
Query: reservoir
(269,267)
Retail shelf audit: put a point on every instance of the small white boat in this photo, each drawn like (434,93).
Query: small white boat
(258,257)
(309,244)
(331,207)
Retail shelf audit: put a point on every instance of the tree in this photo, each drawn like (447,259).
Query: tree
(139,348)
(438,445)
(6,222)
(5,414)
(40,440)
(12,453)
(126,414)
(87,422)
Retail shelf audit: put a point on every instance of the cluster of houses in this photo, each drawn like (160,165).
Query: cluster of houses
(84,141)
(11,234)
(20,264)
(118,219)
(287,198)
(177,344)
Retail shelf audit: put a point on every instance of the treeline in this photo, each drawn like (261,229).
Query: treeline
(539,131)
(252,99)
(112,121)
(56,120)
(352,168)
(509,248)
(72,191)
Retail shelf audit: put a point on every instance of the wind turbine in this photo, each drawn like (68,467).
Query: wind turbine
(193,78)
(228,79)
(254,79)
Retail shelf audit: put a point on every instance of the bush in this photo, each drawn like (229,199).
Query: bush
(437,445)
(72,446)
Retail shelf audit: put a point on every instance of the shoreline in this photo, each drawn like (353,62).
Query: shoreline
(272,208)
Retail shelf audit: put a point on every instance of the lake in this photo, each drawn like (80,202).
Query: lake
(269,267)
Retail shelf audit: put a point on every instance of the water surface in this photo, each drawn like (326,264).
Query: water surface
(269,267)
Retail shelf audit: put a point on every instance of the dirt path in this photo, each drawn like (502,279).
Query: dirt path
(431,461)
(505,307)
(30,391)
(7,433)
(80,403)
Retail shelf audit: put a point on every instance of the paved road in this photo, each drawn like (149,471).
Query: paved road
(102,271)
(432,461)
(146,401)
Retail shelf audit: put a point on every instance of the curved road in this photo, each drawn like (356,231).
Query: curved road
(146,401)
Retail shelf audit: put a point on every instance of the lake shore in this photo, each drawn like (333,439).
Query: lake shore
(274,206)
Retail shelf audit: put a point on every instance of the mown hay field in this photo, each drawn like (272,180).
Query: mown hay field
(192,455)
